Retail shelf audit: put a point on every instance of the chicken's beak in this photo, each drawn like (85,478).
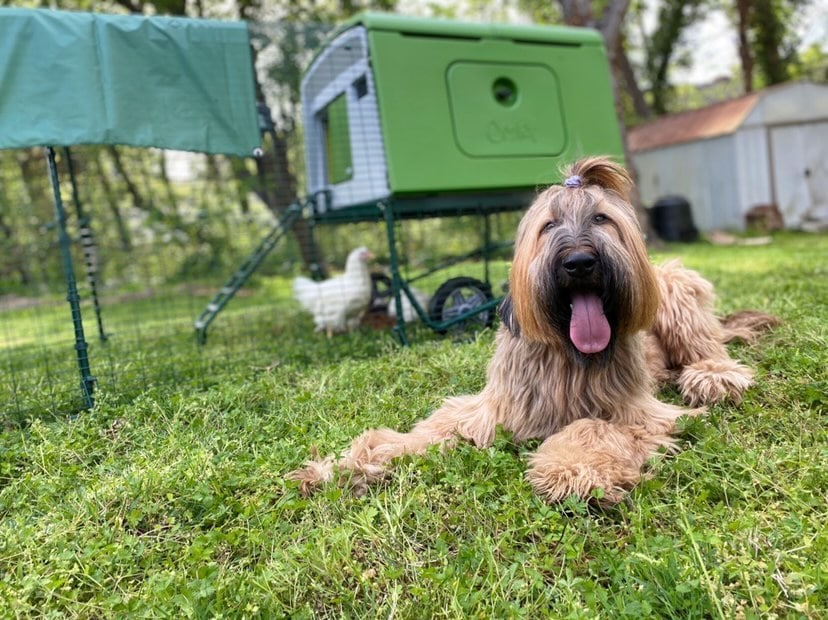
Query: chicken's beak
(367,255)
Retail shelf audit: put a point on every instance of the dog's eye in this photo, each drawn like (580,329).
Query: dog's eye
(548,226)
(599,218)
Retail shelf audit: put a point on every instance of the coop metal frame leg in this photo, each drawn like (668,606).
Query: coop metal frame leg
(487,240)
(87,380)
(90,249)
(396,278)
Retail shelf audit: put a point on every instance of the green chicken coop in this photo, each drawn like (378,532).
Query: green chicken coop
(402,108)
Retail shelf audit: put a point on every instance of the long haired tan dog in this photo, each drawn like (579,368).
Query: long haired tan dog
(587,331)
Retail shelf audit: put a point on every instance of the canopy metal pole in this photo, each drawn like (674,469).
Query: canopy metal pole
(87,380)
(90,250)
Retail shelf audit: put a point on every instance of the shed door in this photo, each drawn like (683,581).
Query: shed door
(800,172)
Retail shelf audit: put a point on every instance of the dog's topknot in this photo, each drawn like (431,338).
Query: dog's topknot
(604,173)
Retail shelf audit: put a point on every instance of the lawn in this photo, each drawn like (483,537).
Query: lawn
(173,502)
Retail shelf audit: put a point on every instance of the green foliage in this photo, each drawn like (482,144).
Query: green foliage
(769,37)
(690,96)
(812,65)
(173,502)
(674,18)
(541,11)
(768,21)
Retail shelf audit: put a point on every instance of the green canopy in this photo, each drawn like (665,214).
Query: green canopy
(70,78)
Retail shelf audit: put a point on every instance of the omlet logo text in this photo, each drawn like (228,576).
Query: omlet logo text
(500,133)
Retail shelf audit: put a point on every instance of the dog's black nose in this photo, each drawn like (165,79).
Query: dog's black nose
(579,264)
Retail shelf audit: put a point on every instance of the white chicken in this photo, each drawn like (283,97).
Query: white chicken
(337,304)
(409,313)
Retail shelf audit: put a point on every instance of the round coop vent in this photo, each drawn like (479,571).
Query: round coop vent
(505,91)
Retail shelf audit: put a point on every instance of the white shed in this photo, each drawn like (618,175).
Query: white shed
(768,147)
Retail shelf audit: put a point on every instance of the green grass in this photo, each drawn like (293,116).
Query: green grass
(172,502)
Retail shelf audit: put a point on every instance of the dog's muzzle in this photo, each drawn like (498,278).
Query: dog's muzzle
(589,329)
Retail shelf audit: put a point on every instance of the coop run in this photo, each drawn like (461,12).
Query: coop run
(178,250)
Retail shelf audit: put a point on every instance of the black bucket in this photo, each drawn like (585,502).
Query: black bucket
(672,219)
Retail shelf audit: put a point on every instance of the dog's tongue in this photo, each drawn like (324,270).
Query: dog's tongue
(589,330)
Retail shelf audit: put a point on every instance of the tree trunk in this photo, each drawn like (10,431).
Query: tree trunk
(36,191)
(624,70)
(112,203)
(579,13)
(745,54)
(284,194)
(161,162)
(277,186)
(672,21)
(241,182)
(16,252)
(146,176)
(769,33)
(137,198)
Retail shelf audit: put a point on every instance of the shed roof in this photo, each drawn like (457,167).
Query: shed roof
(709,122)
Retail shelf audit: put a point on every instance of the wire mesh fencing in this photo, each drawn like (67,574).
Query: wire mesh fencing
(150,253)
(156,237)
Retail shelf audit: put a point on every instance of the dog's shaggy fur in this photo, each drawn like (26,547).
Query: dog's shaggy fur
(588,330)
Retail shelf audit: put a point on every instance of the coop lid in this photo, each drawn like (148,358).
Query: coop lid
(527,33)
(82,78)
(454,28)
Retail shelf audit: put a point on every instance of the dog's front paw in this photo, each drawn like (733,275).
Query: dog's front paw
(712,381)
(555,482)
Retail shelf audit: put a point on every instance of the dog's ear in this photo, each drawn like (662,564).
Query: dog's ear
(507,315)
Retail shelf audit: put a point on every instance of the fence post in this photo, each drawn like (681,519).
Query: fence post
(87,380)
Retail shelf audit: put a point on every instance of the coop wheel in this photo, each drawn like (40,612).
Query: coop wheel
(380,290)
(459,296)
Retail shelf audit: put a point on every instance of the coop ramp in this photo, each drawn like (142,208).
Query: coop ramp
(283,225)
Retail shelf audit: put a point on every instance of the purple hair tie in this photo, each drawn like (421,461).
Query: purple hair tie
(573,181)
